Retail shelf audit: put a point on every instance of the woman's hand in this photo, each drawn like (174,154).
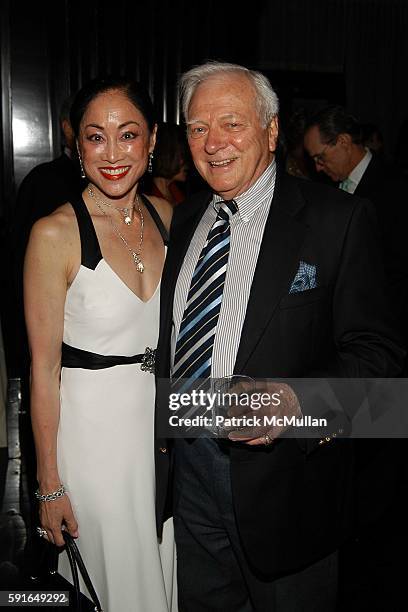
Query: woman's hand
(57,515)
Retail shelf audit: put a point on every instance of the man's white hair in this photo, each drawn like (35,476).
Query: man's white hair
(267,103)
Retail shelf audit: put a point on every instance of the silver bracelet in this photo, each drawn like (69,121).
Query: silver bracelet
(50,496)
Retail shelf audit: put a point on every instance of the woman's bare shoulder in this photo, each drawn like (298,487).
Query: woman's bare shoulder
(60,225)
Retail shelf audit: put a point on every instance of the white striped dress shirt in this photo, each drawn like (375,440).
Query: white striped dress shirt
(247,229)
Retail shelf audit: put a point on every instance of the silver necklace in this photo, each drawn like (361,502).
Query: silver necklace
(135,254)
(126,211)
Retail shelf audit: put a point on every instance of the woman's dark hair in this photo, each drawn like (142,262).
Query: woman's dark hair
(134,91)
(171,150)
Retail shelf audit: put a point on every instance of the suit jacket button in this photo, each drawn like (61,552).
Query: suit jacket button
(163,449)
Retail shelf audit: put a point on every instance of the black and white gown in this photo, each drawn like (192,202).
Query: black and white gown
(106,435)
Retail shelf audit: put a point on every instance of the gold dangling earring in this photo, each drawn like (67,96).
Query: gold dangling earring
(150,165)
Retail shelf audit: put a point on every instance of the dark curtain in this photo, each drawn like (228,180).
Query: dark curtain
(376,63)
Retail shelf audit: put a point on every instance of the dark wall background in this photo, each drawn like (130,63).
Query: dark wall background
(314,51)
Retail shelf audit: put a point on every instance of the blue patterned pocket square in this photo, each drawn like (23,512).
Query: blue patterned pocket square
(305,278)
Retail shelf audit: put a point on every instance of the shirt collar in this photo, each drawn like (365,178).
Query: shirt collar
(357,173)
(249,201)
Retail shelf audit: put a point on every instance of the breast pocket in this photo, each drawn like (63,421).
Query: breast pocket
(303,298)
(304,326)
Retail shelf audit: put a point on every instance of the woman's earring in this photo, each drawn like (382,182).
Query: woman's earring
(83,175)
(81,165)
(149,164)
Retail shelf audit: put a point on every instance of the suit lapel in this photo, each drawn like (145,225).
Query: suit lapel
(277,264)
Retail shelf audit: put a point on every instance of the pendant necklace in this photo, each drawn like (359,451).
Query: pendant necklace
(126,211)
(135,254)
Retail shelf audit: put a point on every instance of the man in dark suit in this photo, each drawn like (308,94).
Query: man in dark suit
(258,521)
(46,186)
(333,139)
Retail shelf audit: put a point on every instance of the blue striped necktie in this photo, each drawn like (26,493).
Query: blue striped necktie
(195,341)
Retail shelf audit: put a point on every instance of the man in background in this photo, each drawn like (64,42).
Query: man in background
(48,185)
(334,141)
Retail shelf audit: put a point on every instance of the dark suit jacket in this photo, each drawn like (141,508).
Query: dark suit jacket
(45,187)
(379,463)
(388,191)
(293,504)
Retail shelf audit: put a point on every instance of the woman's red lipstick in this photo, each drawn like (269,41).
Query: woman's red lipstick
(114,173)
